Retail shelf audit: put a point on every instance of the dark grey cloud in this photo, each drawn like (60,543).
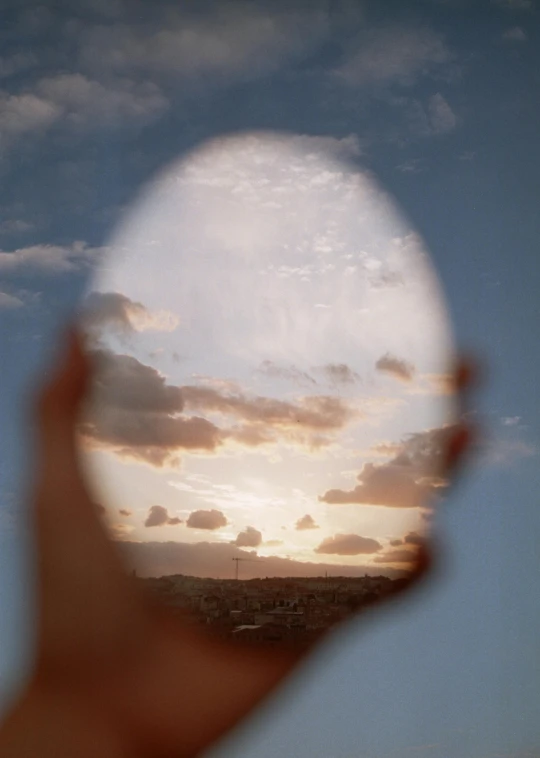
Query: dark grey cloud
(286,373)
(406,481)
(396,367)
(348,544)
(340,373)
(407,557)
(159,516)
(211,520)
(413,538)
(101,310)
(133,412)
(249,537)
(306,522)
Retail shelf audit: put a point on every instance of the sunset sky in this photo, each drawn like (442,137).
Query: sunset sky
(432,104)
(277,353)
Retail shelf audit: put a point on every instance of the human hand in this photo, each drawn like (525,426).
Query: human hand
(116,675)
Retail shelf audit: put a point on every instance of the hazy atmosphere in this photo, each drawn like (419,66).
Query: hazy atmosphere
(282,223)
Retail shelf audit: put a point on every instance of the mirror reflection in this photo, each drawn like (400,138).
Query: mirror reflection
(272,394)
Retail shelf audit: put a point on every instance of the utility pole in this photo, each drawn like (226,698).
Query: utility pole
(237,562)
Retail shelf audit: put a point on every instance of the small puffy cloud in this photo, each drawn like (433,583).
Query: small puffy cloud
(441,115)
(114,310)
(159,516)
(406,481)
(511,420)
(125,512)
(306,522)
(396,543)
(273,543)
(398,368)
(396,556)
(210,520)
(348,544)
(339,373)
(515,34)
(53,259)
(286,373)
(394,55)
(250,537)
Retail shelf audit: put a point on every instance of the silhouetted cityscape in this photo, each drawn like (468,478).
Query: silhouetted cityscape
(292,610)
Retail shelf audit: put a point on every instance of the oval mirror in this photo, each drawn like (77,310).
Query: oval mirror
(272,389)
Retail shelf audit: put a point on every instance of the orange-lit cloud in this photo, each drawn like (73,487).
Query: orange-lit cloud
(398,368)
(348,544)
(211,520)
(134,413)
(407,480)
(125,512)
(159,516)
(113,311)
(306,522)
(250,537)
(396,556)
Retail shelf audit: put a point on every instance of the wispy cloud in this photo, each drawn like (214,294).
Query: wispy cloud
(396,367)
(394,55)
(52,259)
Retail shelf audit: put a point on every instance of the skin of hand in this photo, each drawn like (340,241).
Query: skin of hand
(115,675)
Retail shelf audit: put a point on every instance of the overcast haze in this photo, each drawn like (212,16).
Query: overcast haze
(434,103)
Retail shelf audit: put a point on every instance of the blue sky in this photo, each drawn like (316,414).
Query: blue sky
(96,97)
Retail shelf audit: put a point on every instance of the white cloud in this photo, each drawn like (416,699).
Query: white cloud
(515,34)
(78,102)
(399,55)
(511,420)
(53,259)
(20,114)
(85,102)
(236,40)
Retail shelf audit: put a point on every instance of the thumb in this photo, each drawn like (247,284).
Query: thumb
(86,601)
